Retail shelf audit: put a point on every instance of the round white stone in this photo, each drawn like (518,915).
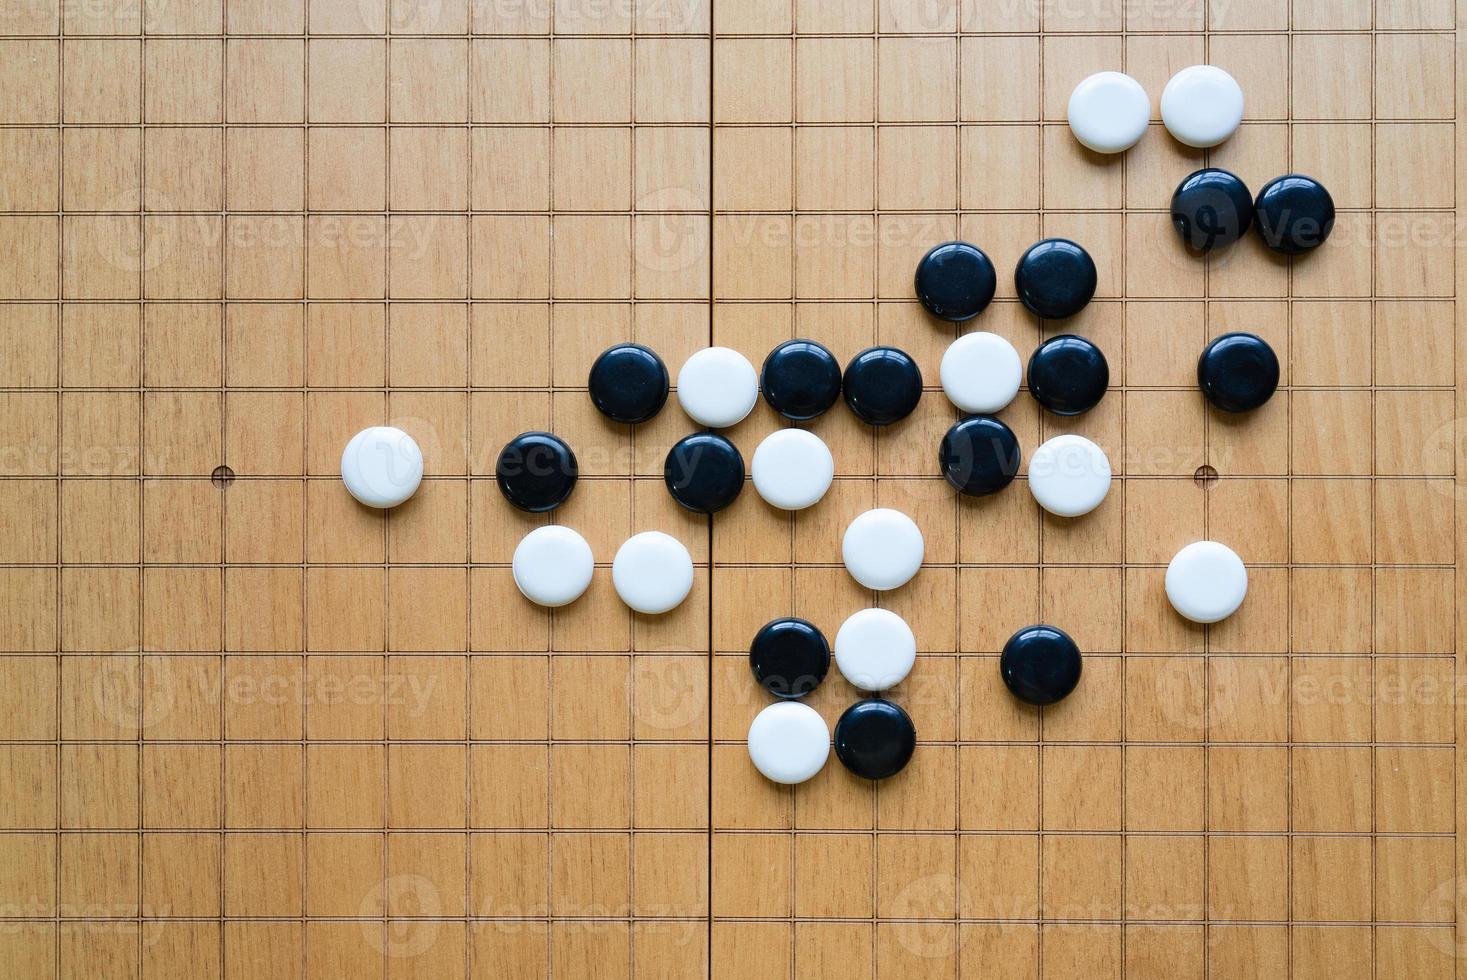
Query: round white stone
(1069,475)
(1109,111)
(652,572)
(1206,582)
(552,565)
(382,466)
(981,373)
(875,649)
(882,549)
(717,387)
(789,742)
(792,468)
(1202,105)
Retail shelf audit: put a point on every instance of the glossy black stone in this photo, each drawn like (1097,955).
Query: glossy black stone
(1238,372)
(704,472)
(1055,278)
(1295,214)
(1068,374)
(1040,664)
(875,738)
(955,281)
(800,379)
(628,383)
(979,455)
(789,657)
(882,385)
(536,471)
(1211,208)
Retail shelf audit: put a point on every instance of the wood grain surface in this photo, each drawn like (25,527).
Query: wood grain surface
(250,730)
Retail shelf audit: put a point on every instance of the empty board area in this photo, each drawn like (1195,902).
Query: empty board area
(252,730)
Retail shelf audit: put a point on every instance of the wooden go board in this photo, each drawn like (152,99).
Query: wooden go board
(250,730)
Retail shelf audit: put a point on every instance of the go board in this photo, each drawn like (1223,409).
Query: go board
(251,730)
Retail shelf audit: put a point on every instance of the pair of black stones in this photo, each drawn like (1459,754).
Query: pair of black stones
(801,379)
(1212,208)
(874,738)
(536,472)
(1055,279)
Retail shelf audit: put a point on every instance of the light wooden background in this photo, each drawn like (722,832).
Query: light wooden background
(259,732)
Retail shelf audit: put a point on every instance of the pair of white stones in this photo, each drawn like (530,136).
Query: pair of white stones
(652,571)
(1201,106)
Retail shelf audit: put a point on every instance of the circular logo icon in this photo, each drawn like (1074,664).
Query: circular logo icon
(412,896)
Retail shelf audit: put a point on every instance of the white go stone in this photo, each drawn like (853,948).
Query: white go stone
(981,373)
(882,549)
(1206,582)
(875,649)
(1202,105)
(652,572)
(1108,112)
(382,466)
(792,468)
(552,565)
(1069,475)
(717,387)
(788,742)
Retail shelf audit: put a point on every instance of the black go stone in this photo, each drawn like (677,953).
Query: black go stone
(704,472)
(1295,214)
(1040,664)
(1055,278)
(536,471)
(1238,372)
(628,383)
(800,379)
(882,385)
(979,455)
(789,657)
(956,281)
(875,738)
(1211,208)
(1068,374)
